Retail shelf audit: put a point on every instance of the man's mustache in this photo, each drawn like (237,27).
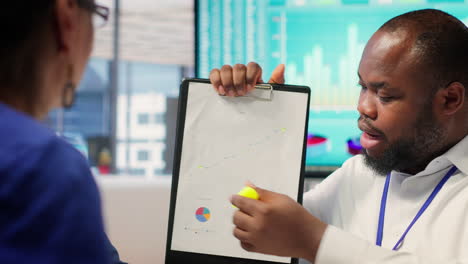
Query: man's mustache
(368,124)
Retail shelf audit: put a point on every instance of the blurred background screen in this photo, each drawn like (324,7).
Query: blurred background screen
(320,41)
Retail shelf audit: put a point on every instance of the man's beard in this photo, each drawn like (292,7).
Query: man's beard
(414,152)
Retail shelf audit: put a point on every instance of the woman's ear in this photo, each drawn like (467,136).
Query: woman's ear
(65,23)
(450,100)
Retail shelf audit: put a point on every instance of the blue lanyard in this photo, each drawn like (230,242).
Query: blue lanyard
(421,211)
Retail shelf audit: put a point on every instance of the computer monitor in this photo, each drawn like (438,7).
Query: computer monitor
(320,41)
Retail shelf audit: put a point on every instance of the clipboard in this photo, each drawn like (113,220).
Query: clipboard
(222,142)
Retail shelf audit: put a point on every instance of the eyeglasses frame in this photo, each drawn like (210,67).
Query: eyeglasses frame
(100,10)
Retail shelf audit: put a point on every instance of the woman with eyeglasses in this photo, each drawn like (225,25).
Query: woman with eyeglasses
(50,209)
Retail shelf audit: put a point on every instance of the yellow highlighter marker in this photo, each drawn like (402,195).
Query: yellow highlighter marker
(248,192)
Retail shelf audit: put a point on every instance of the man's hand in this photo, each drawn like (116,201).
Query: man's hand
(240,79)
(276,225)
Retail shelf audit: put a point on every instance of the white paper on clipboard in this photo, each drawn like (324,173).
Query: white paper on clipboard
(227,142)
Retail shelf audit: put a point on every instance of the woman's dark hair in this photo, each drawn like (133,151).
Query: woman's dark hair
(25,26)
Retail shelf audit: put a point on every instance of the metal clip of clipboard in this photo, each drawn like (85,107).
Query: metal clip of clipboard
(262,91)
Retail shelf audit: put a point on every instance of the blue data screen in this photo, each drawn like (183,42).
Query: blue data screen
(319,41)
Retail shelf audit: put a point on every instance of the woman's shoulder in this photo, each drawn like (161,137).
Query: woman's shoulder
(37,165)
(48,188)
(27,146)
(20,132)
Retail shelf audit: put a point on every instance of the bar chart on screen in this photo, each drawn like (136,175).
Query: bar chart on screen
(319,41)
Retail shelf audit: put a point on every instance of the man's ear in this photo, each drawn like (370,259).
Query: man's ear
(65,26)
(450,100)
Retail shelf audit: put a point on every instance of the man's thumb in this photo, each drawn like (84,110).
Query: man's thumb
(263,194)
(278,75)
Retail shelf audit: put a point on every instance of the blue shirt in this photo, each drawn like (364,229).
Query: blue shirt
(50,208)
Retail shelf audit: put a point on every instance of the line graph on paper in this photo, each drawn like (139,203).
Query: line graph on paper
(250,152)
(249,147)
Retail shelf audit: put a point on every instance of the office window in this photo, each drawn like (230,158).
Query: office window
(143,155)
(159,118)
(147,93)
(137,172)
(143,119)
(128,102)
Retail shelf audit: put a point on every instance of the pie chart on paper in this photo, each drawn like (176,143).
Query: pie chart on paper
(203,214)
